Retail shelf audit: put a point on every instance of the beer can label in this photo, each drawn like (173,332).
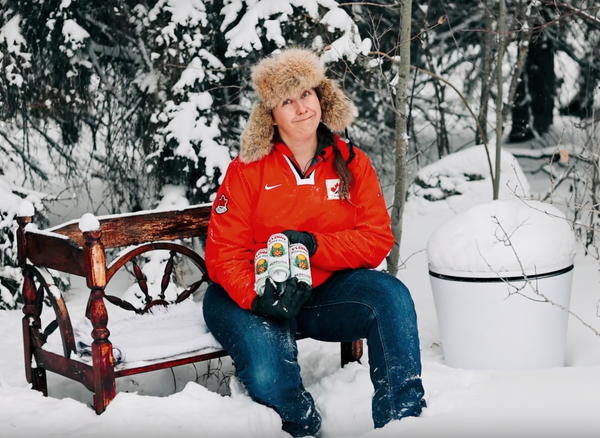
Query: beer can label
(300,263)
(261,269)
(279,262)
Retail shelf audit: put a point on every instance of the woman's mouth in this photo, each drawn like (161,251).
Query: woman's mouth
(306,118)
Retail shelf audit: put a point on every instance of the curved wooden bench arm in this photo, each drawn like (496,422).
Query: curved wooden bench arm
(60,309)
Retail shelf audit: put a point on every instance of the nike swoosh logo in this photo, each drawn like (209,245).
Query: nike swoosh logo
(268,187)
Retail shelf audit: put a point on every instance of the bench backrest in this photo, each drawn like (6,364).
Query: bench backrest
(61,247)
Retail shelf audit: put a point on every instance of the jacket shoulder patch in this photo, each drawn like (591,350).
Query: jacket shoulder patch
(221,206)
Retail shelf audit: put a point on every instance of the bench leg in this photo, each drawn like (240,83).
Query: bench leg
(105,387)
(28,320)
(39,382)
(351,351)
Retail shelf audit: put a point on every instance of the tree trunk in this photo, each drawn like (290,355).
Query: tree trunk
(499,94)
(534,102)
(486,50)
(402,88)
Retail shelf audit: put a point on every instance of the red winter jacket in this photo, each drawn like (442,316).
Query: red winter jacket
(268,196)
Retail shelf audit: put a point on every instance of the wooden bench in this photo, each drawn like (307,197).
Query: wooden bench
(66,249)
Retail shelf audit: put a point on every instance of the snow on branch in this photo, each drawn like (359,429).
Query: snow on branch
(10,35)
(245,37)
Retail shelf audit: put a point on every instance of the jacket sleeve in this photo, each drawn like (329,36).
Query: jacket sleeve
(230,243)
(370,241)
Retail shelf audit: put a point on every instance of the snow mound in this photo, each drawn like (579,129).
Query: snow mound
(466,172)
(507,238)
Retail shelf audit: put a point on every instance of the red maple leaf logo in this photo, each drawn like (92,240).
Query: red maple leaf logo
(221,206)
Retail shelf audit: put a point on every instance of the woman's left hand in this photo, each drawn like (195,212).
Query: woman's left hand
(303,237)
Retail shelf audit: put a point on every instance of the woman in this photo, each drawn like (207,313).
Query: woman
(293,175)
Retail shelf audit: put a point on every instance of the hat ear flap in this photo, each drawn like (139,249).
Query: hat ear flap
(255,142)
(336,108)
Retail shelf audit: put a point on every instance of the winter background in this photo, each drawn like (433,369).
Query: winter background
(191,400)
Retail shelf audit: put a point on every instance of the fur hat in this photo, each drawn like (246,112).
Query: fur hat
(275,78)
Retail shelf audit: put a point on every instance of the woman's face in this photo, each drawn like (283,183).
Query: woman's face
(298,116)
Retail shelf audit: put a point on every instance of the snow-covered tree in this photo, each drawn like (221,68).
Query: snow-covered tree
(11,204)
(142,94)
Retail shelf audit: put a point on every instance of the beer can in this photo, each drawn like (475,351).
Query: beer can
(279,261)
(300,263)
(261,270)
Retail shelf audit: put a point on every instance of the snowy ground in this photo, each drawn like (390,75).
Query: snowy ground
(548,403)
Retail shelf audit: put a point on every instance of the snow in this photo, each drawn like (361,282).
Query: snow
(509,238)
(173,198)
(469,169)
(187,128)
(74,33)
(11,33)
(244,37)
(162,332)
(88,222)
(9,202)
(26,209)
(552,402)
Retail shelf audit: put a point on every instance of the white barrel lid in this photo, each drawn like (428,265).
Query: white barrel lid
(505,238)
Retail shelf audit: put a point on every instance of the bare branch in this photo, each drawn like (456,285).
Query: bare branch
(575,11)
(31,164)
(529,282)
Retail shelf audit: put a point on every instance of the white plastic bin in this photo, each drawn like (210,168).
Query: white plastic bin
(486,323)
(489,316)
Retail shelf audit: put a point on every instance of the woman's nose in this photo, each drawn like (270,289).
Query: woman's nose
(300,108)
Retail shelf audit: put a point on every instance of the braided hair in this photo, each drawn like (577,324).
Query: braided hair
(327,137)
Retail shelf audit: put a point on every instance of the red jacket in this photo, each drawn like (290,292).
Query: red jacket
(268,196)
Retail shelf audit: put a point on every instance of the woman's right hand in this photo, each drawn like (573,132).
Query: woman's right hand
(282,300)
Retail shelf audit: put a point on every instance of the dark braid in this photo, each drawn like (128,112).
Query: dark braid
(345,174)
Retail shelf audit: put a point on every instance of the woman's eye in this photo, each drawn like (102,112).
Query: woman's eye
(306,93)
(285,102)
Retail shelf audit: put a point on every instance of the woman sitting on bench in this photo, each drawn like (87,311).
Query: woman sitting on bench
(294,176)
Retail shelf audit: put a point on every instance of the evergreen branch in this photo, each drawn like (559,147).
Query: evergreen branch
(108,31)
(377,5)
(144,53)
(117,52)
(92,53)
(237,109)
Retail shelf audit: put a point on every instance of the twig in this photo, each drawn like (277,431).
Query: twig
(529,283)
(24,157)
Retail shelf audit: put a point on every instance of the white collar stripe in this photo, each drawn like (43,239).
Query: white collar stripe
(310,181)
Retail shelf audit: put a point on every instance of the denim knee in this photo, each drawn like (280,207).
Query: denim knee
(265,355)
(384,293)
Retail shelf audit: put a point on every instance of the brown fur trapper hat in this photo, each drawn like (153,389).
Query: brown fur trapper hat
(275,78)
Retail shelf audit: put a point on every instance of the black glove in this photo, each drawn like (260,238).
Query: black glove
(282,300)
(304,238)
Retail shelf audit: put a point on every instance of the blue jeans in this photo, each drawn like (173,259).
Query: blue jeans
(350,305)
